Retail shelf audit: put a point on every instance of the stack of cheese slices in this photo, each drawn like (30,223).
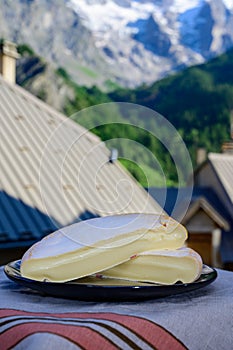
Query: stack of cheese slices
(132,247)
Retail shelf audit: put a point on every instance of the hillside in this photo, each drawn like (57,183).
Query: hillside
(54,86)
(198,102)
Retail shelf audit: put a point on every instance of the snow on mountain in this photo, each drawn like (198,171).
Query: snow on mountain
(228,4)
(127,42)
(175,32)
(102,16)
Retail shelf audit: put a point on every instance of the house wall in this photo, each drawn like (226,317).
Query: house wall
(202,238)
(206,177)
(201,222)
(202,244)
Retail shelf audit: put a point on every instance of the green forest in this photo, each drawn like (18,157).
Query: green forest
(197,101)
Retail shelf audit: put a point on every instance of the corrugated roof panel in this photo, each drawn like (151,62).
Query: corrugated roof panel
(17,168)
(34,134)
(55,169)
(8,211)
(25,217)
(7,224)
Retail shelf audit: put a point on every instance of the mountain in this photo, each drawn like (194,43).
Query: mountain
(113,43)
(54,86)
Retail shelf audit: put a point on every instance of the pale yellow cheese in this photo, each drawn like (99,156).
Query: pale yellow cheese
(163,267)
(93,245)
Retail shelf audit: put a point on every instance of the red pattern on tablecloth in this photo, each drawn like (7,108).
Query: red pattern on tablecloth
(87,330)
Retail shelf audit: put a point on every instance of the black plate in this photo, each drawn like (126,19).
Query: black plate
(107,292)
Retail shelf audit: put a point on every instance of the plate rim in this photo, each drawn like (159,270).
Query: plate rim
(205,279)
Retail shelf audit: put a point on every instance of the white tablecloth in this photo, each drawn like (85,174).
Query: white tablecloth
(202,319)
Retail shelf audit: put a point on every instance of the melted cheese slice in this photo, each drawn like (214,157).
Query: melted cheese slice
(163,267)
(94,245)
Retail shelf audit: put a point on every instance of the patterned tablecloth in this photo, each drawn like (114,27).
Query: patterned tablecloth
(202,319)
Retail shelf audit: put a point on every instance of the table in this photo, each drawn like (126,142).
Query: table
(202,319)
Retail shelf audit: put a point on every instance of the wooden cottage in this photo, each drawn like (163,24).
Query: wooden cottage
(209,218)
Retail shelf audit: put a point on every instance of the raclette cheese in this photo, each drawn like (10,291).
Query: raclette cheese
(162,267)
(90,246)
